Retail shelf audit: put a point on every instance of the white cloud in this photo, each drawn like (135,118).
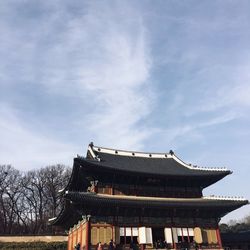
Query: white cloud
(192,128)
(99,55)
(232,95)
(112,67)
(26,149)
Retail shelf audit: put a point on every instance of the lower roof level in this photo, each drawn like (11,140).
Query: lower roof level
(79,204)
(207,201)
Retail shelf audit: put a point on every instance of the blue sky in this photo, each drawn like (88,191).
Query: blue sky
(136,75)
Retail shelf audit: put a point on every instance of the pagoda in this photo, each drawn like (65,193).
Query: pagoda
(142,200)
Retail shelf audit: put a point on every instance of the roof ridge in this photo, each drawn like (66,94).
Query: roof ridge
(230,198)
(94,149)
(133,197)
(106,149)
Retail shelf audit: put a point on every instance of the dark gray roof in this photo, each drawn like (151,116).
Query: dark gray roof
(100,161)
(81,203)
(149,163)
(67,216)
(139,201)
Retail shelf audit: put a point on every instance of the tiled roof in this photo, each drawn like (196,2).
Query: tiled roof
(149,163)
(204,202)
(79,203)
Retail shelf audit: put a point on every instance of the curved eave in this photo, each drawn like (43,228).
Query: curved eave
(80,197)
(96,166)
(77,179)
(72,179)
(213,207)
(78,203)
(67,217)
(94,151)
(60,217)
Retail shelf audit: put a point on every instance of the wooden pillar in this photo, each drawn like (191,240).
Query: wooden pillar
(173,241)
(172,224)
(88,230)
(188,235)
(182,237)
(142,247)
(77,232)
(72,239)
(218,237)
(80,240)
(125,235)
(69,241)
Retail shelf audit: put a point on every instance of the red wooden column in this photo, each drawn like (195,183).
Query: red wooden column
(218,237)
(87,233)
(80,240)
(77,229)
(69,241)
(125,235)
(72,240)
(182,237)
(174,244)
(142,247)
(172,224)
(188,235)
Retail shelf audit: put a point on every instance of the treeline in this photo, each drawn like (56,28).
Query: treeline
(29,199)
(235,226)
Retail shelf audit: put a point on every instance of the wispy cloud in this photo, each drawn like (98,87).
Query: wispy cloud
(204,77)
(112,67)
(193,129)
(97,54)
(131,74)
(232,94)
(25,148)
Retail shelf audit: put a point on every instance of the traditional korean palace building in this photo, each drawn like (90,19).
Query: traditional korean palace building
(147,200)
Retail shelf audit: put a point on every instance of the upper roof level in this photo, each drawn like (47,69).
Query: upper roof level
(166,164)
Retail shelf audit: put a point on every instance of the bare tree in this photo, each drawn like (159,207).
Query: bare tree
(56,178)
(9,196)
(28,200)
